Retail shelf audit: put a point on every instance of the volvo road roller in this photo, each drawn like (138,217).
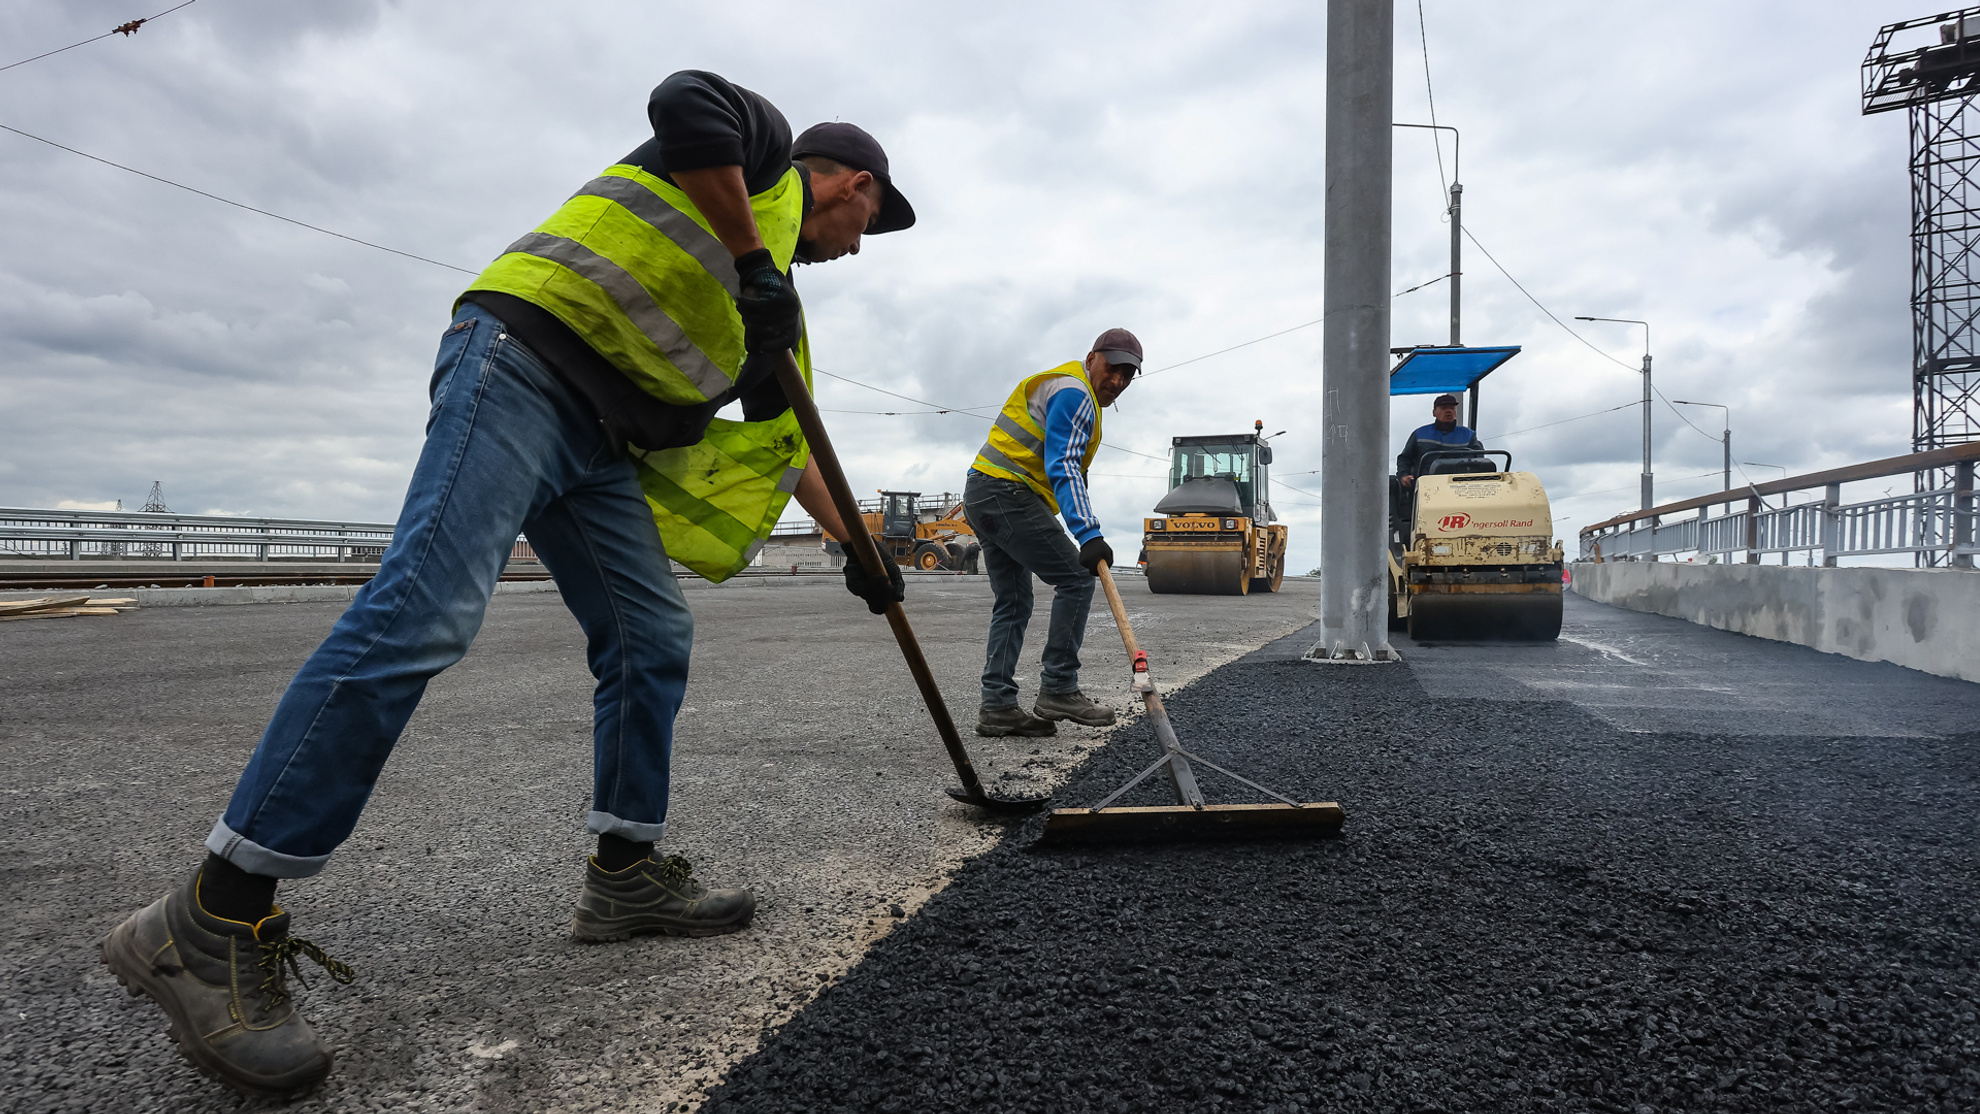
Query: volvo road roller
(1216,535)
(1472,556)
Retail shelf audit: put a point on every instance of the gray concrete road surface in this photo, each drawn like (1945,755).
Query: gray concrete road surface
(805,768)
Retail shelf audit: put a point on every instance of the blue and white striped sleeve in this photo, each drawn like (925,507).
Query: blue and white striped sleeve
(1069,417)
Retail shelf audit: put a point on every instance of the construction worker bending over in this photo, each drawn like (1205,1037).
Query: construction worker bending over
(1034,465)
(573,401)
(1443,433)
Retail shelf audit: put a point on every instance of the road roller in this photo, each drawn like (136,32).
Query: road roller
(1215,533)
(1472,556)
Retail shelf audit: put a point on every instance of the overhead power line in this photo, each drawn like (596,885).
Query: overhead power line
(1234,347)
(1423,34)
(226,201)
(126,29)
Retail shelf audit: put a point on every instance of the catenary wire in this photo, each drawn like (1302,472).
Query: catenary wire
(235,204)
(125,29)
(1423,34)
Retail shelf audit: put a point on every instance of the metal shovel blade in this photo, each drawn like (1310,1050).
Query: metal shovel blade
(983,800)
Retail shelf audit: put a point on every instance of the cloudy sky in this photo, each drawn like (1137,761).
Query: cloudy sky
(1154,165)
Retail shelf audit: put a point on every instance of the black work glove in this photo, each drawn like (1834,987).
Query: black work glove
(768,303)
(1094,552)
(878,592)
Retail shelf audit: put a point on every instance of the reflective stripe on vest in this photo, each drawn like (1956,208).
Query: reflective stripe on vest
(630,266)
(716,501)
(1015,449)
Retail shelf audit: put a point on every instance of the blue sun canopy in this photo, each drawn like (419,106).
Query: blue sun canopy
(1441,370)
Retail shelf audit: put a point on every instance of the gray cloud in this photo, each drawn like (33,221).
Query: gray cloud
(1076,167)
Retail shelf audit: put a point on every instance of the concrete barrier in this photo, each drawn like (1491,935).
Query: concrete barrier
(1924,619)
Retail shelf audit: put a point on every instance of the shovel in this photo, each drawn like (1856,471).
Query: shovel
(861,548)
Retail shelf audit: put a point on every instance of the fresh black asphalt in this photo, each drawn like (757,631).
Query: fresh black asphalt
(1546,897)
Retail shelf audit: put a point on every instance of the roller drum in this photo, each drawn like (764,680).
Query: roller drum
(1198,572)
(1485,617)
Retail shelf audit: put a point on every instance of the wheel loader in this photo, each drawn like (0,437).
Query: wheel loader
(1472,556)
(930,537)
(1216,534)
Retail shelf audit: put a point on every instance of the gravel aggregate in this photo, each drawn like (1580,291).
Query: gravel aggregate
(1542,900)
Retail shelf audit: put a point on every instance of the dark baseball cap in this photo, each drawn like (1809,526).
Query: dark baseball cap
(1444,400)
(1120,347)
(850,145)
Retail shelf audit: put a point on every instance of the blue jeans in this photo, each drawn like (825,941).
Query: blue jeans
(1021,537)
(509,449)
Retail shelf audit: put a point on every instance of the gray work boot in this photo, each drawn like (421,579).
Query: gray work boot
(1073,706)
(223,986)
(1009,719)
(655,895)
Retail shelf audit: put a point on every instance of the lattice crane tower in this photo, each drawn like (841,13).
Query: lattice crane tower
(1930,66)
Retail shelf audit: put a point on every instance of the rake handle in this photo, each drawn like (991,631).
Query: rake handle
(869,557)
(1120,610)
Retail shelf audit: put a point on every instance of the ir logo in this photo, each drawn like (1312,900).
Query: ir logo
(1454,522)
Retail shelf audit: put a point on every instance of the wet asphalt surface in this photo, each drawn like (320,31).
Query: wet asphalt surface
(1650,868)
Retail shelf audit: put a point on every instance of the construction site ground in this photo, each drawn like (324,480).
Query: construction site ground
(1652,867)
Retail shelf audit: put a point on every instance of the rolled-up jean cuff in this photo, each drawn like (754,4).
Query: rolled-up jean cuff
(604,823)
(256,859)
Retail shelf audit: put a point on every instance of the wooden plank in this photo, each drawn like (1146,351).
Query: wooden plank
(19,607)
(59,613)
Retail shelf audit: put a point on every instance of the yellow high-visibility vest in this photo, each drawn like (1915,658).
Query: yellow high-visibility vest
(633,268)
(1015,449)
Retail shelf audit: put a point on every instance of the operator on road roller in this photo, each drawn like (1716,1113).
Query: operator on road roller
(574,401)
(1442,433)
(1032,466)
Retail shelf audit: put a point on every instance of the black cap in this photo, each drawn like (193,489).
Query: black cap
(1443,400)
(850,145)
(1120,347)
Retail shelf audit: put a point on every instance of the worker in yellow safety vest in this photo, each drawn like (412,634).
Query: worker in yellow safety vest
(573,402)
(1033,465)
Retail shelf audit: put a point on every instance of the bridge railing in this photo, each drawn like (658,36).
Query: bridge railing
(149,536)
(1937,523)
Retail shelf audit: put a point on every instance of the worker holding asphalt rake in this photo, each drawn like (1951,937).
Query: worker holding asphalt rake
(574,402)
(1032,466)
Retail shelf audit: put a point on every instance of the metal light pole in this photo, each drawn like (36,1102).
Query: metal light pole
(1456,211)
(1649,488)
(1355,349)
(1727,440)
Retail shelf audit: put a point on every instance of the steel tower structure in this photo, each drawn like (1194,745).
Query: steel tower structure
(1930,67)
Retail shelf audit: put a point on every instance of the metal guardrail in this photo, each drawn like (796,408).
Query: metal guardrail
(1937,524)
(139,535)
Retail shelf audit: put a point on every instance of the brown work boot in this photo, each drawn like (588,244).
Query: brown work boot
(223,986)
(1075,706)
(655,895)
(1009,719)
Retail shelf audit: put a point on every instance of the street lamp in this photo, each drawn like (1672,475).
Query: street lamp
(1757,464)
(1456,211)
(1727,440)
(1647,486)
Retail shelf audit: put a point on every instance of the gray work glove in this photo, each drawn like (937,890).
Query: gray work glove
(878,592)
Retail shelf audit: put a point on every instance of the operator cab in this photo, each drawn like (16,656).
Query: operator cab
(897,513)
(1225,475)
